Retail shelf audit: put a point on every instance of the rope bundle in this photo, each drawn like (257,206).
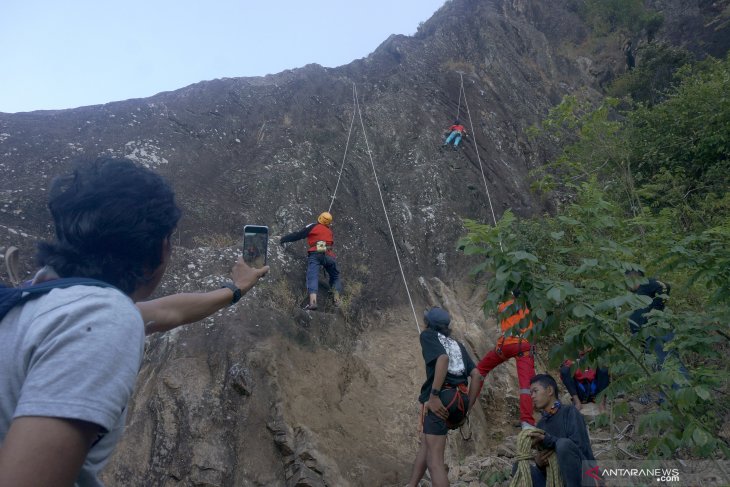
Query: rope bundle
(522,477)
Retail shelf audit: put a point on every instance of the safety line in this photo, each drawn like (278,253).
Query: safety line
(339,176)
(458,109)
(476,148)
(385,211)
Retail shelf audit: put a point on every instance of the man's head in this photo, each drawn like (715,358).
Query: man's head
(325,218)
(456,122)
(543,390)
(113,221)
(633,278)
(437,319)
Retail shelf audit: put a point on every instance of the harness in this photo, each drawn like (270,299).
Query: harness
(458,400)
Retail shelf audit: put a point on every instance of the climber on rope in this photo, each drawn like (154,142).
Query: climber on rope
(455,134)
(562,431)
(585,384)
(320,240)
(513,344)
(451,388)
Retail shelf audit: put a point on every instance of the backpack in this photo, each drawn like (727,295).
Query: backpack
(11,297)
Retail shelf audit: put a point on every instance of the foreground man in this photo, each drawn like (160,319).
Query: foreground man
(69,358)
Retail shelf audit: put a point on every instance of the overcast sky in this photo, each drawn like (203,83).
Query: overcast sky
(64,54)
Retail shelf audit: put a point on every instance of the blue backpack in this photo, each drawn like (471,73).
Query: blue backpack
(11,297)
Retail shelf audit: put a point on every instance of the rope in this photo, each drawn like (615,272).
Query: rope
(458,109)
(339,176)
(385,211)
(476,147)
(522,477)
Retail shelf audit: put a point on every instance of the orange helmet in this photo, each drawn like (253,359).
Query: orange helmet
(325,218)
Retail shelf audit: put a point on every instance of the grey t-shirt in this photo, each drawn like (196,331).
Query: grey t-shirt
(72,353)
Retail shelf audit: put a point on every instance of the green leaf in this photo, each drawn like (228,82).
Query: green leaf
(554,294)
(580,310)
(700,437)
(522,255)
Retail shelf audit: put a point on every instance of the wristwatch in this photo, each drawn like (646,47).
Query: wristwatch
(236,292)
(435,392)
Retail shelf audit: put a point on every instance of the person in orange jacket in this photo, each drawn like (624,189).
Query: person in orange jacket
(514,345)
(456,132)
(320,240)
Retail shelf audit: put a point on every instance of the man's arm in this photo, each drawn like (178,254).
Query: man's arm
(44,451)
(166,313)
(294,236)
(434,403)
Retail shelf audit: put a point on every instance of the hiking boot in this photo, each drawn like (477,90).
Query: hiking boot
(310,307)
(336,299)
(456,147)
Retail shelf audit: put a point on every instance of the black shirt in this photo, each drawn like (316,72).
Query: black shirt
(433,345)
(654,289)
(567,423)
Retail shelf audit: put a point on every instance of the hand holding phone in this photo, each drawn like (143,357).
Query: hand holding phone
(255,245)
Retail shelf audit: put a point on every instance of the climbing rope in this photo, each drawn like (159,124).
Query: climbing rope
(461,89)
(476,148)
(339,175)
(385,211)
(522,477)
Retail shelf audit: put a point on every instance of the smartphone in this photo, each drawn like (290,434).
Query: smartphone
(255,245)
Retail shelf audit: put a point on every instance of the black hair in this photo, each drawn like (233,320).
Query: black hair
(439,327)
(545,380)
(634,271)
(516,292)
(111,218)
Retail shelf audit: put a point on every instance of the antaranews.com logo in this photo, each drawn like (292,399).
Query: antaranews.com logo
(630,473)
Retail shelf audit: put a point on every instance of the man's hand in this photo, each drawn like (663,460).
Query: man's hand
(537,437)
(541,458)
(245,277)
(435,405)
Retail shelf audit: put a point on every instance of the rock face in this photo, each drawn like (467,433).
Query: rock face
(265,393)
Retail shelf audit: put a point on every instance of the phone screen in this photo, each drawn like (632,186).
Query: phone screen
(255,244)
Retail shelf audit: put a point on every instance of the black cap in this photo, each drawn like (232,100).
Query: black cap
(437,316)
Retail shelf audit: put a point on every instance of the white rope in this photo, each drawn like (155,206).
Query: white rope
(339,176)
(385,211)
(476,148)
(458,109)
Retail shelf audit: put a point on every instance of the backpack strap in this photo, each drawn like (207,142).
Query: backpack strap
(13,296)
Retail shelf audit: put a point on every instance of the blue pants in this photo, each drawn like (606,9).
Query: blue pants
(570,460)
(314,261)
(656,345)
(455,136)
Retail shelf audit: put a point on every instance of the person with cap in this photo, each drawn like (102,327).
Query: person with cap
(456,132)
(320,241)
(450,389)
(512,344)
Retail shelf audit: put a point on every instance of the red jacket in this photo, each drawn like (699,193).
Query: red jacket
(459,128)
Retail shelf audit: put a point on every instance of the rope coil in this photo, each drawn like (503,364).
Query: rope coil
(523,477)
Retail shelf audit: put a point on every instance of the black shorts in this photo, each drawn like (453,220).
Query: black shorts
(433,425)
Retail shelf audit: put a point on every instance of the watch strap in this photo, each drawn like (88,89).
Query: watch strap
(236,292)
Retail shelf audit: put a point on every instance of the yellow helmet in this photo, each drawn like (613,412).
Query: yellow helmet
(325,218)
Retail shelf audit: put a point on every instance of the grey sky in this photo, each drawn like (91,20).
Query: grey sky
(64,54)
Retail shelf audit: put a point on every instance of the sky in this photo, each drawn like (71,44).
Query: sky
(70,53)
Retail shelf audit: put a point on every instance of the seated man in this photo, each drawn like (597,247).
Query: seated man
(561,430)
(584,384)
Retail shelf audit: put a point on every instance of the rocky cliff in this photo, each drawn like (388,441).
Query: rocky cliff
(265,393)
